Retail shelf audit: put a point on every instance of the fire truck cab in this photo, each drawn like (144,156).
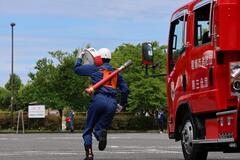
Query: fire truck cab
(203,77)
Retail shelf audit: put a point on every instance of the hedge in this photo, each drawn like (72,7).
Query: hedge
(50,122)
(122,121)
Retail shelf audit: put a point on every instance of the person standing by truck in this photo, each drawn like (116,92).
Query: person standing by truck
(104,104)
(161,120)
(71,122)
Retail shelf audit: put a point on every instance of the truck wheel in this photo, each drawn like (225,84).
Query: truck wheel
(189,133)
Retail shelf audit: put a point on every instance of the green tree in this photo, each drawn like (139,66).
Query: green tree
(145,92)
(71,86)
(17,85)
(26,95)
(55,84)
(5,97)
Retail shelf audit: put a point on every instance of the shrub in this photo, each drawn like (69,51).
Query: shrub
(142,123)
(5,120)
(121,122)
(52,122)
(79,122)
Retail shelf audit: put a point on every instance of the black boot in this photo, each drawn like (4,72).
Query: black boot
(102,140)
(89,153)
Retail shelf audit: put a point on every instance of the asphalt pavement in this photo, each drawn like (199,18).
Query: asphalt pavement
(131,146)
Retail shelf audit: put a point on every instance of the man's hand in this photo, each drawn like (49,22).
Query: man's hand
(119,108)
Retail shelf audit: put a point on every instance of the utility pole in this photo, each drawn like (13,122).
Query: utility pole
(12,78)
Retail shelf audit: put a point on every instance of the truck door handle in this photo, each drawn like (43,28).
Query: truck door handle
(184,83)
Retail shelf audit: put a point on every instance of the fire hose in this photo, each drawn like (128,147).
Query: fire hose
(90,90)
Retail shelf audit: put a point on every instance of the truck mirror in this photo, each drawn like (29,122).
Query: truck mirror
(147,53)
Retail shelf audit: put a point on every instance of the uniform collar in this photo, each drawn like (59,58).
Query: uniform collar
(107,66)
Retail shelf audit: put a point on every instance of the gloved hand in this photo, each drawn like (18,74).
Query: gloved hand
(80,54)
(119,108)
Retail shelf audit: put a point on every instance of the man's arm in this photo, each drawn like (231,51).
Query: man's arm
(84,70)
(122,85)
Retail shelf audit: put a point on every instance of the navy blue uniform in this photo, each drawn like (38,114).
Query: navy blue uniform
(71,115)
(103,105)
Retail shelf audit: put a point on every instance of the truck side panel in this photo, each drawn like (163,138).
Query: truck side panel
(228,22)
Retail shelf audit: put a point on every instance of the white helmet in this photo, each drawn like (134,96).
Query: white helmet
(90,56)
(105,53)
(92,50)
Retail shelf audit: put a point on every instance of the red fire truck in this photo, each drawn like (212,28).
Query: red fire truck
(203,77)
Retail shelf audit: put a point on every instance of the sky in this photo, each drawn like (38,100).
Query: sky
(50,25)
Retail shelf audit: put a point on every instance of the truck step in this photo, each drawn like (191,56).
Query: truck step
(204,141)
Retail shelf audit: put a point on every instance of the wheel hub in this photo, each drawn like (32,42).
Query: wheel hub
(187,137)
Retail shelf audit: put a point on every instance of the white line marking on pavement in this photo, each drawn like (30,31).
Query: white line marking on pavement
(143,147)
(58,138)
(31,153)
(153,151)
(64,153)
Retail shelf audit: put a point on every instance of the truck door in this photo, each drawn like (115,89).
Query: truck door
(202,56)
(176,63)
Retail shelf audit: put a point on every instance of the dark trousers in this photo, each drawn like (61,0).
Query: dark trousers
(99,116)
(161,125)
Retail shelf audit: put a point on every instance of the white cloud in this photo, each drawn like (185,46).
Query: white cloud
(130,9)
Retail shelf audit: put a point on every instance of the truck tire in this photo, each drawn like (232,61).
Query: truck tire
(189,133)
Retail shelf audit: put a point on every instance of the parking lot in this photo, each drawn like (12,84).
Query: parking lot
(141,146)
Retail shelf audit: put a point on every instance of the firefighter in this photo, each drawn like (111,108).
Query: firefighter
(104,104)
